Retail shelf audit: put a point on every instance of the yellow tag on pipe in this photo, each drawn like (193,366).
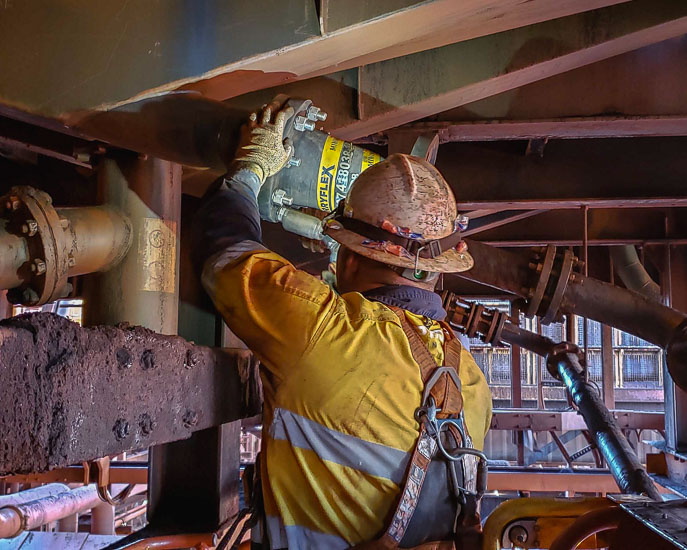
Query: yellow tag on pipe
(326,184)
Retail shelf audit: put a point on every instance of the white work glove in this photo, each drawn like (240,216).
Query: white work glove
(262,148)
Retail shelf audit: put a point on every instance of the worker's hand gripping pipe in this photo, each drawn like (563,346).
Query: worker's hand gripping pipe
(563,362)
(318,175)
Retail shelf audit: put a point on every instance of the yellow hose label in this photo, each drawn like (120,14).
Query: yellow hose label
(157,254)
(369,158)
(326,184)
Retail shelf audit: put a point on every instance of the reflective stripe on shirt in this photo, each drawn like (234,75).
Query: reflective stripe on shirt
(347,450)
(297,537)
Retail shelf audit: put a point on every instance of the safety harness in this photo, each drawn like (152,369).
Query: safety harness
(441,421)
(442,430)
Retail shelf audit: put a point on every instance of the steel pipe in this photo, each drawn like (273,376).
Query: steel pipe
(567,292)
(41,246)
(623,309)
(16,519)
(100,237)
(146,282)
(13,254)
(32,494)
(632,273)
(498,268)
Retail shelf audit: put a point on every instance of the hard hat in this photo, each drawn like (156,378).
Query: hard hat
(401,212)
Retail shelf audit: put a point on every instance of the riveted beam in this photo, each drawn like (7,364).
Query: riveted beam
(73,394)
(404,89)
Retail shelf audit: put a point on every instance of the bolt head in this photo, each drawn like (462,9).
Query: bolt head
(38,266)
(302,124)
(12,203)
(30,228)
(71,261)
(315,113)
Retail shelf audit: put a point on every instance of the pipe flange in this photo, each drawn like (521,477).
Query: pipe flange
(31,215)
(543,269)
(567,263)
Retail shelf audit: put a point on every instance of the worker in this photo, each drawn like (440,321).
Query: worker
(343,372)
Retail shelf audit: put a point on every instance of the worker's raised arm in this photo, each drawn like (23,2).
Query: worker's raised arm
(273,307)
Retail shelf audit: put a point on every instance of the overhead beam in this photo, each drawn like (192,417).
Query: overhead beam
(540,205)
(565,228)
(497,219)
(123,50)
(643,85)
(562,128)
(401,90)
(72,394)
(608,173)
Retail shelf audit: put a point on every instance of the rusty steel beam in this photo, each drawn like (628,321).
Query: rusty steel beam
(401,90)
(75,394)
(631,93)
(561,128)
(529,243)
(561,421)
(124,50)
(551,481)
(608,173)
(498,219)
(606,226)
(135,473)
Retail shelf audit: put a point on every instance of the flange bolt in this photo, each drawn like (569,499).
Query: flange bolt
(30,228)
(302,123)
(38,266)
(315,113)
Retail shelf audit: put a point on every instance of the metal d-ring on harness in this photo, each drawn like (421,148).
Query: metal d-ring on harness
(427,414)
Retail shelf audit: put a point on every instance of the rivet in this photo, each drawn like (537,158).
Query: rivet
(146,424)
(192,359)
(148,360)
(124,358)
(190,419)
(120,429)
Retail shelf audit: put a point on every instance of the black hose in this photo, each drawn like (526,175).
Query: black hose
(627,470)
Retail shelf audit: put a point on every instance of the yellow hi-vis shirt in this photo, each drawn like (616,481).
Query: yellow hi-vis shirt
(341,388)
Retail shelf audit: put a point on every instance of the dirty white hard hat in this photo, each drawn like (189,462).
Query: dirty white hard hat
(401,212)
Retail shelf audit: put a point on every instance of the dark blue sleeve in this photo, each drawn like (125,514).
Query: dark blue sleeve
(228,215)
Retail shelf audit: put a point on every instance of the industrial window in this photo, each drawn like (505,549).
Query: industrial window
(637,364)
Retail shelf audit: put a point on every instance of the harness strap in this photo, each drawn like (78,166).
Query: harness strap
(448,395)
